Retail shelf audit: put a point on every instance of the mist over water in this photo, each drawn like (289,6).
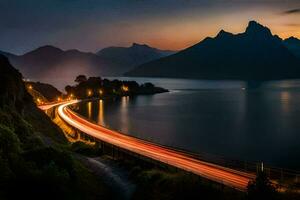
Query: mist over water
(216,117)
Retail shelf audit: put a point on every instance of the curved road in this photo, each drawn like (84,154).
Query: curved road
(51,105)
(232,178)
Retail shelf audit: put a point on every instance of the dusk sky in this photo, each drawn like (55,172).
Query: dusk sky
(90,25)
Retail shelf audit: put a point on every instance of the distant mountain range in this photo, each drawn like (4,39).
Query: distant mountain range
(49,62)
(255,54)
(132,56)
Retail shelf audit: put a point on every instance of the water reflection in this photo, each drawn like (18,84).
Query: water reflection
(89,109)
(101,113)
(285,101)
(124,114)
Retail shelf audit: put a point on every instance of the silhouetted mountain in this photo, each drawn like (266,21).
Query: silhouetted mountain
(130,57)
(293,44)
(253,55)
(49,62)
(6,54)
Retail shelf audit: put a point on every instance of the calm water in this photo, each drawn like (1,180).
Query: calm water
(216,117)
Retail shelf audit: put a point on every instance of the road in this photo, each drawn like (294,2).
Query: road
(51,105)
(229,177)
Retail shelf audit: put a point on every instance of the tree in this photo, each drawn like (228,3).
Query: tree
(68,89)
(261,188)
(80,78)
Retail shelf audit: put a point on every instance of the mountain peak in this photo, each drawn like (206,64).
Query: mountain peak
(48,47)
(136,45)
(254,28)
(45,49)
(223,34)
(292,39)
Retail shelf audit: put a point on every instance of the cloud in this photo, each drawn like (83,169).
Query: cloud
(292,24)
(292,11)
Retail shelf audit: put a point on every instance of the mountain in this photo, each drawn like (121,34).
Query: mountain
(255,54)
(293,44)
(130,57)
(49,62)
(6,54)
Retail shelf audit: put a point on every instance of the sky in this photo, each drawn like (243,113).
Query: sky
(90,25)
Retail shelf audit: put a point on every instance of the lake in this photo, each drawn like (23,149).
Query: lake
(216,117)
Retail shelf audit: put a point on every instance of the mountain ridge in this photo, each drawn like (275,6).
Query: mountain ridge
(133,55)
(254,54)
(293,44)
(50,62)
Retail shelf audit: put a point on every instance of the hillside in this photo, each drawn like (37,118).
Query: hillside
(34,159)
(255,54)
(47,90)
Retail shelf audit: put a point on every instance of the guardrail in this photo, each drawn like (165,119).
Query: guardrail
(281,177)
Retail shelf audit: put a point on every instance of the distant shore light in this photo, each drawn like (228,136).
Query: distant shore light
(125,88)
(89,92)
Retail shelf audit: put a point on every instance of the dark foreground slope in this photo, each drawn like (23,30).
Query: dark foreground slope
(34,160)
(253,55)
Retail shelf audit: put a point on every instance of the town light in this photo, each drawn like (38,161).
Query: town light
(70,97)
(125,88)
(100,92)
(89,93)
(30,87)
(58,99)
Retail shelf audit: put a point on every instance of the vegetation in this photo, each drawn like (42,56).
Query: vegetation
(262,188)
(35,161)
(47,90)
(85,149)
(98,87)
(155,181)
(28,163)
(161,182)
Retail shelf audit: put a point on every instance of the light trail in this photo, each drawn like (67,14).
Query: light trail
(51,105)
(229,177)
